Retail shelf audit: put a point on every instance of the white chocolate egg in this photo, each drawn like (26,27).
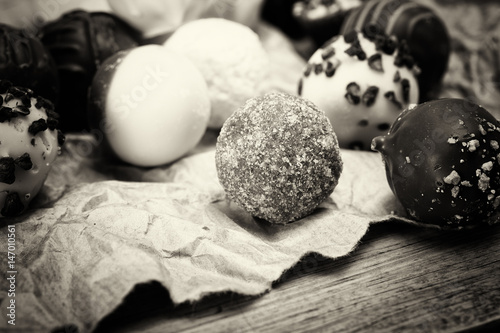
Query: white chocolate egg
(361,84)
(150,103)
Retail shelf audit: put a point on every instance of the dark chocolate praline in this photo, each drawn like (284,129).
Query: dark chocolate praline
(79,41)
(442,160)
(25,62)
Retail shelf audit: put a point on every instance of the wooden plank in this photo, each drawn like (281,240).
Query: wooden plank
(400,278)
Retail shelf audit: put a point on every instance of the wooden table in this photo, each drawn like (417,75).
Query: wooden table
(400,278)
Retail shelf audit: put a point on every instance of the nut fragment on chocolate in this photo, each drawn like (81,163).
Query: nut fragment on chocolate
(277,157)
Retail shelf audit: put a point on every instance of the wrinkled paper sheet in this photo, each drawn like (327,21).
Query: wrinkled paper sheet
(98,228)
(91,238)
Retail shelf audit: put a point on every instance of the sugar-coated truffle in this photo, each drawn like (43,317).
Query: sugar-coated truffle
(26,62)
(79,41)
(231,58)
(362,83)
(418,26)
(29,144)
(277,157)
(442,160)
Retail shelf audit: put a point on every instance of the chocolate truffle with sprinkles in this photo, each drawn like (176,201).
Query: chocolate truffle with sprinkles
(442,160)
(278,158)
(29,144)
(361,84)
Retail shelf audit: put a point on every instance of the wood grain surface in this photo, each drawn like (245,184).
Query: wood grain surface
(401,278)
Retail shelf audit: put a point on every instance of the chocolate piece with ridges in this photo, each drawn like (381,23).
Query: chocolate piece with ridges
(417,24)
(79,41)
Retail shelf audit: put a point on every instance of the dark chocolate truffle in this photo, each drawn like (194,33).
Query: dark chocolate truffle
(79,42)
(322,19)
(419,26)
(442,162)
(278,157)
(25,62)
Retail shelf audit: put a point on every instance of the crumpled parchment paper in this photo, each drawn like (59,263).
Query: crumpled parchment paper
(98,228)
(89,239)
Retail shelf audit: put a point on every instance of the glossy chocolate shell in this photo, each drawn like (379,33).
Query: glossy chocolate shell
(79,42)
(442,162)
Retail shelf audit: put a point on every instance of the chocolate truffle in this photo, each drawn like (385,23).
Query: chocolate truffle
(419,26)
(361,84)
(79,42)
(29,144)
(231,58)
(322,19)
(442,162)
(26,62)
(277,157)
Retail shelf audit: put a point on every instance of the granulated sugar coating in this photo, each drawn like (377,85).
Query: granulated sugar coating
(278,157)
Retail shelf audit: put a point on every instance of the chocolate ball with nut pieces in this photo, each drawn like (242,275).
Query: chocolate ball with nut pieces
(442,162)
(278,158)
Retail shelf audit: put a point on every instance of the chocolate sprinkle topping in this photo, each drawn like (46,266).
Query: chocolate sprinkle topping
(23,110)
(7,113)
(391,96)
(13,206)
(397,77)
(299,87)
(36,126)
(356,50)
(352,94)
(404,57)
(363,123)
(375,62)
(370,95)
(406,90)
(26,100)
(352,99)
(383,126)
(7,170)
(318,68)
(353,88)
(24,161)
(330,69)
(8,97)
(328,52)
(308,70)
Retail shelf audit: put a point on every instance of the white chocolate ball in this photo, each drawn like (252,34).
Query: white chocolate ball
(29,144)
(361,95)
(231,58)
(151,103)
